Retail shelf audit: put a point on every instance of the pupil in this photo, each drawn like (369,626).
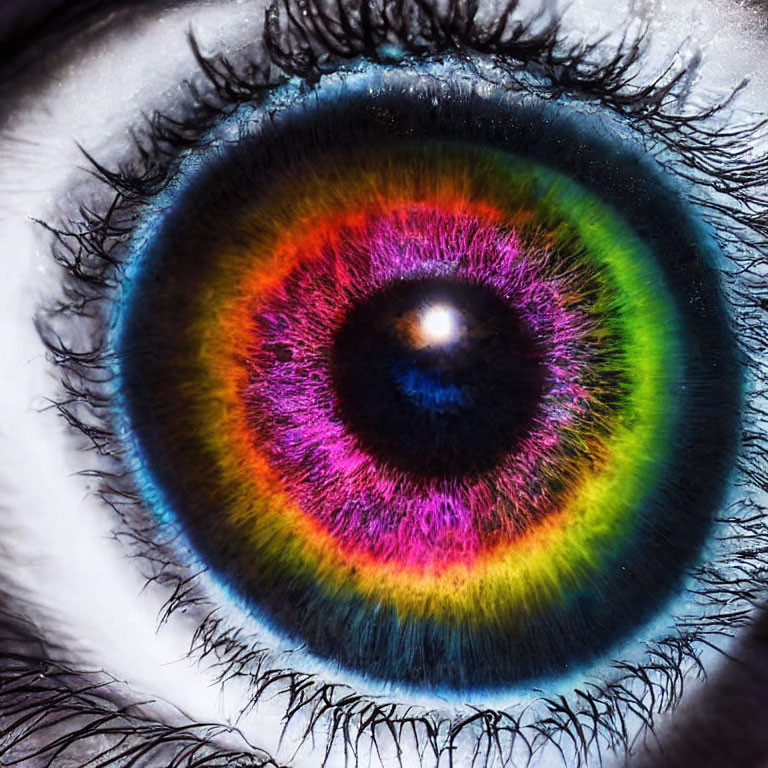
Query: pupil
(436,377)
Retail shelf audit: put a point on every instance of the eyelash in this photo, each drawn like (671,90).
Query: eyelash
(308,46)
(72,711)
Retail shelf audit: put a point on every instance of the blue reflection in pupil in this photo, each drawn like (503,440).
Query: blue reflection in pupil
(428,389)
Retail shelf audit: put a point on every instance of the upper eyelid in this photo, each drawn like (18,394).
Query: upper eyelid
(64,54)
(26,32)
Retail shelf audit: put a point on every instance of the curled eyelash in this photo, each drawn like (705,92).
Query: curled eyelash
(308,40)
(52,714)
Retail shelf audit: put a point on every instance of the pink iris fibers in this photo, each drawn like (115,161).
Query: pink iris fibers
(375,510)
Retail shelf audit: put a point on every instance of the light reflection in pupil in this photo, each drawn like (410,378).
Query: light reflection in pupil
(439,324)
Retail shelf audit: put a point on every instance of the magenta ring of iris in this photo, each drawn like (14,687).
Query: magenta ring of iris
(376,510)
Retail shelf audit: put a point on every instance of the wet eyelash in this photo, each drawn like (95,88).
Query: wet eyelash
(308,40)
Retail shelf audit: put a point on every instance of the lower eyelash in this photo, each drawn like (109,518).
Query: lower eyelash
(601,710)
(52,713)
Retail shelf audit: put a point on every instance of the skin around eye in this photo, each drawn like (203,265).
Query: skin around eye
(91,617)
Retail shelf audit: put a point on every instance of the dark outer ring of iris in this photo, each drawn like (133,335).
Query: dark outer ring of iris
(157,354)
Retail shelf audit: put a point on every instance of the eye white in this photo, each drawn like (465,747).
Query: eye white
(73,576)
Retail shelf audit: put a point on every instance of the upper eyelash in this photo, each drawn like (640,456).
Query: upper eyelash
(90,247)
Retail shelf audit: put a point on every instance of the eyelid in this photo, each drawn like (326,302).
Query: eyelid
(22,27)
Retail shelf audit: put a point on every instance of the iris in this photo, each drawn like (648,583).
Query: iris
(432,410)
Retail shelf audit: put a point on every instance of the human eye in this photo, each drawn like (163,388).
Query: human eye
(383,384)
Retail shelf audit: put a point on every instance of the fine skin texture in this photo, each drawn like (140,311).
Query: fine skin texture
(77,612)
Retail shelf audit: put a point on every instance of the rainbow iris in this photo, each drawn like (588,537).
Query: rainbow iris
(465,511)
